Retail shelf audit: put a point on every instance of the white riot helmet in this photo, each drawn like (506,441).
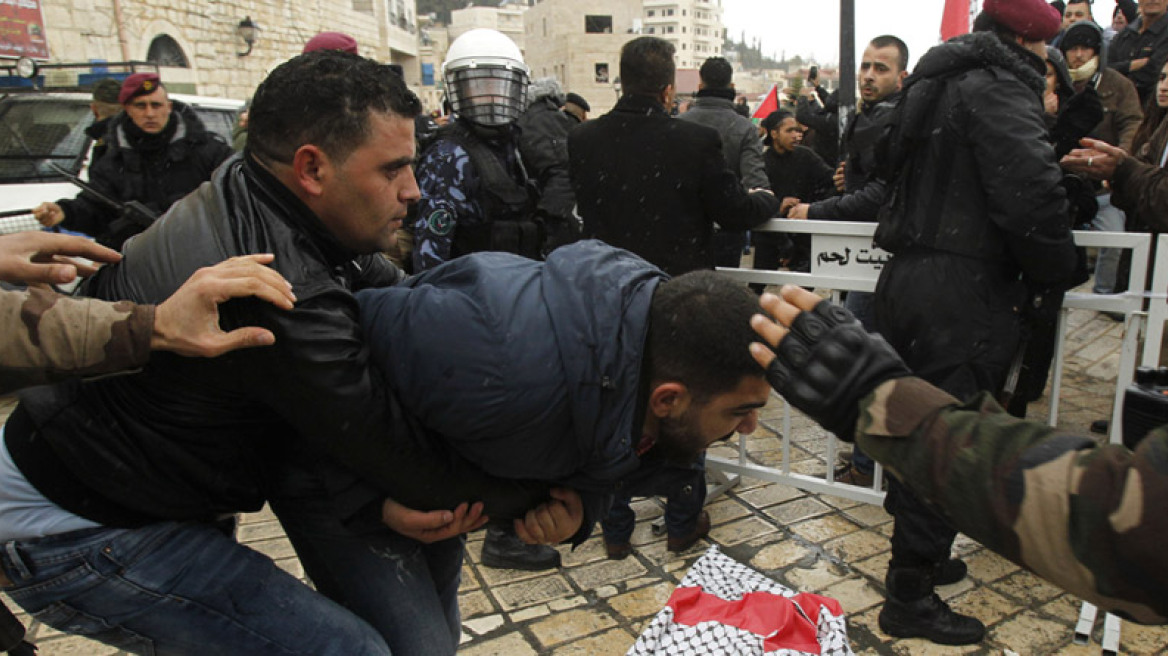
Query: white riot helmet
(486,79)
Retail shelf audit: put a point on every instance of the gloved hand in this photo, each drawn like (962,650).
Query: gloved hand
(827,362)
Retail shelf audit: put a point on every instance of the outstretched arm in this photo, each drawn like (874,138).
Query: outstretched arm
(48,336)
(1086,517)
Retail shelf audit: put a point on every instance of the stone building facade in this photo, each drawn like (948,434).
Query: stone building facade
(579,44)
(694,27)
(197,45)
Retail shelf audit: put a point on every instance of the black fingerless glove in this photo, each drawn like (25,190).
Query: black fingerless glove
(828,363)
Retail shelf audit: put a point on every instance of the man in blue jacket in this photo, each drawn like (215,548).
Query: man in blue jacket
(592,370)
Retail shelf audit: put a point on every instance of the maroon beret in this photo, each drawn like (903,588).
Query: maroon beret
(1033,20)
(138,84)
(331,41)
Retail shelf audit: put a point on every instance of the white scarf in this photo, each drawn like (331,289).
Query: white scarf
(1085,71)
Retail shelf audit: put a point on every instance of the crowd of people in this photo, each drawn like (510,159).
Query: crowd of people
(553,340)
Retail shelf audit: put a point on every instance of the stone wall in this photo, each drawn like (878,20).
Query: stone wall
(83,30)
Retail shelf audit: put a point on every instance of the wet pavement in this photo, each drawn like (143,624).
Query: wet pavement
(810,542)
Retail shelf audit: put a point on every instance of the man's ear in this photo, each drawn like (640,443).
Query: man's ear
(310,167)
(900,79)
(667,398)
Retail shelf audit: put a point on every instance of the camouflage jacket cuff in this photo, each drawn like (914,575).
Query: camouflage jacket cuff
(898,406)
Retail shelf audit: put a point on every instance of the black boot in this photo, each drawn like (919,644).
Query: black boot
(913,610)
(949,572)
(504,550)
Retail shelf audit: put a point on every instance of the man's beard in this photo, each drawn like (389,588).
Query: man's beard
(678,440)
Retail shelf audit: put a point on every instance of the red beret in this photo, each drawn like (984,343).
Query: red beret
(331,41)
(138,84)
(1033,20)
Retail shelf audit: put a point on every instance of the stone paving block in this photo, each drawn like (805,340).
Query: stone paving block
(819,576)
(782,555)
(856,546)
(526,614)
(512,644)
(841,503)
(609,643)
(565,604)
(875,567)
(589,552)
(642,602)
(867,515)
(771,494)
(590,577)
(797,510)
(253,531)
(824,528)
(726,510)
(570,625)
(952,590)
(494,577)
(469,580)
(74,646)
(855,595)
(987,566)
(918,647)
(863,628)
(275,549)
(741,531)
(1028,633)
(1027,588)
(984,604)
(1138,639)
(528,593)
(484,625)
(474,604)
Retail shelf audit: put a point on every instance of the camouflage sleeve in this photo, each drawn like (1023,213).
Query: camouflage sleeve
(48,336)
(447,181)
(1088,518)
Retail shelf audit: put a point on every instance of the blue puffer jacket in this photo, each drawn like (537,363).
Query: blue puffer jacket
(528,369)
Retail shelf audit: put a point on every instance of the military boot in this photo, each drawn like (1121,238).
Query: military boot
(503,549)
(913,610)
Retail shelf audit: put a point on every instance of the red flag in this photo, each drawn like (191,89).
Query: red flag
(769,104)
(955,20)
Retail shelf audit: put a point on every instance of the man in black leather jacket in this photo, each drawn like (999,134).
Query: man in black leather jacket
(131,473)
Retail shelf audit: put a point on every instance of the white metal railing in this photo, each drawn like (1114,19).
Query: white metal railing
(1131,304)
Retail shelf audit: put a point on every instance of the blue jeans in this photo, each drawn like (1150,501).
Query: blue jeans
(407,590)
(684,489)
(1109,218)
(177,588)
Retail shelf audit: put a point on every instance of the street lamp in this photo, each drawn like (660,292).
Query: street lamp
(247,31)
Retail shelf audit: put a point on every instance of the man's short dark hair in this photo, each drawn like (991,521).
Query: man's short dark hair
(887,40)
(983,22)
(700,334)
(323,98)
(646,66)
(716,73)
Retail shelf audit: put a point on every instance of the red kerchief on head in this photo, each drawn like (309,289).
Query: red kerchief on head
(1033,20)
(139,84)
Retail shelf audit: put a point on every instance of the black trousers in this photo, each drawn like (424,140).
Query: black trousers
(956,323)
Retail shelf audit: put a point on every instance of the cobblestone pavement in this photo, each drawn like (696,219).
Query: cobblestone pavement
(811,542)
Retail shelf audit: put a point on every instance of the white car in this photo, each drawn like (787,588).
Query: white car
(51,127)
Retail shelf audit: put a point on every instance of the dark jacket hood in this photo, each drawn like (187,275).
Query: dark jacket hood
(1100,51)
(981,50)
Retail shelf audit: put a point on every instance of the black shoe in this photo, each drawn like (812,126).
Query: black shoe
(701,529)
(913,610)
(1100,426)
(503,549)
(951,571)
(931,619)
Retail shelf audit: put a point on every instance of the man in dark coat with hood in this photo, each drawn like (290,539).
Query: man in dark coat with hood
(976,215)
(158,151)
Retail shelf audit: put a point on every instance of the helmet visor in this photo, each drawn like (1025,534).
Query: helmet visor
(488,95)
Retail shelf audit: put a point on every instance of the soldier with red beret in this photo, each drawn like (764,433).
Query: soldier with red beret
(158,151)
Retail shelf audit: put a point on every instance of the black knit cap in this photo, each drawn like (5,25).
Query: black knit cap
(1082,33)
(577,99)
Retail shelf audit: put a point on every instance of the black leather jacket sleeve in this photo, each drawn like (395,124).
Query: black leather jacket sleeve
(327,390)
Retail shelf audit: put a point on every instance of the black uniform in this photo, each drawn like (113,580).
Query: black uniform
(153,169)
(975,216)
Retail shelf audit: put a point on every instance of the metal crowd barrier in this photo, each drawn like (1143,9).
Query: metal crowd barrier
(1130,304)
